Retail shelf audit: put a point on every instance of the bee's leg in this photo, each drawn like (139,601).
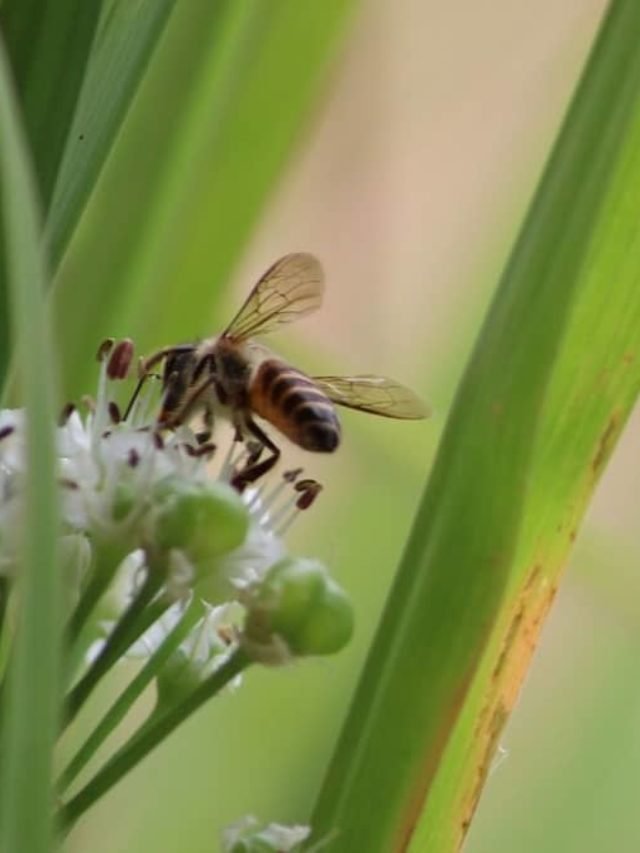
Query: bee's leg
(207,361)
(254,469)
(204,435)
(136,394)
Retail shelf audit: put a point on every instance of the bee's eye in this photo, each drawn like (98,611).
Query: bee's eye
(180,362)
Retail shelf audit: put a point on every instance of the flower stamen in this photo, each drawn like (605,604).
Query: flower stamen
(120,359)
(114,413)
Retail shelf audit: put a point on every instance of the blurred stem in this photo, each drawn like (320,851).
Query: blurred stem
(121,706)
(159,725)
(141,613)
(31,705)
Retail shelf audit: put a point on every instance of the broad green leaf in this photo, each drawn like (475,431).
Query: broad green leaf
(254,71)
(48,42)
(75,85)
(544,397)
(31,700)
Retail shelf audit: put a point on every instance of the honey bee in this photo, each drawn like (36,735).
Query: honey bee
(234,376)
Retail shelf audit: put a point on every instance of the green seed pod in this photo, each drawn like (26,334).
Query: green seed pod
(205,520)
(302,607)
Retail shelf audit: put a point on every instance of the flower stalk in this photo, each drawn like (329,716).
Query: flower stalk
(131,693)
(157,727)
(140,615)
(167,562)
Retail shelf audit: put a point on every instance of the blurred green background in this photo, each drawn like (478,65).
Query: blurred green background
(410,184)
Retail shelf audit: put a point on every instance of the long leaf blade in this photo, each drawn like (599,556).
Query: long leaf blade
(461,558)
(125,41)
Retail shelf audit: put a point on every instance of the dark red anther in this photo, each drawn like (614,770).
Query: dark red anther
(120,359)
(207,449)
(133,457)
(114,413)
(6,431)
(309,491)
(66,483)
(104,349)
(226,634)
(158,440)
(66,413)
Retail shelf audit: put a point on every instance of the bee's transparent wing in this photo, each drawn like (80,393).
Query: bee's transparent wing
(374,394)
(289,289)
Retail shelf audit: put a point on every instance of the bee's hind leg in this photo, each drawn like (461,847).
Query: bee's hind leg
(255,469)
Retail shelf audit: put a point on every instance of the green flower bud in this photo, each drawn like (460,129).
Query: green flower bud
(300,606)
(204,520)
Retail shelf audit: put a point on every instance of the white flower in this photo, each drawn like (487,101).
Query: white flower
(121,486)
(247,835)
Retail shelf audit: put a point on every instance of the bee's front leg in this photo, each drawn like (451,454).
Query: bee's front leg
(254,468)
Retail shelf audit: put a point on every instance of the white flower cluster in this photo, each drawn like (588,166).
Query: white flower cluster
(111,470)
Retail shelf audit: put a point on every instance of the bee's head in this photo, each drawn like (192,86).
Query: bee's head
(177,378)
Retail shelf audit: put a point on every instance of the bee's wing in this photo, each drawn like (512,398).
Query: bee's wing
(374,394)
(289,289)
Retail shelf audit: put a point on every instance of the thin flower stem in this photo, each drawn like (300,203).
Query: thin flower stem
(107,559)
(130,694)
(92,593)
(157,727)
(141,613)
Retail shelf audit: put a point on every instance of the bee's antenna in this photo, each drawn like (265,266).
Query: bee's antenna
(135,395)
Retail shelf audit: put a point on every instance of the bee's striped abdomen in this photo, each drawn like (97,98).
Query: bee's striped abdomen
(290,401)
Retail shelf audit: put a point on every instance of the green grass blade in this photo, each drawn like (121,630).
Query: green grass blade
(232,127)
(546,392)
(30,713)
(126,38)
(49,42)
(76,86)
